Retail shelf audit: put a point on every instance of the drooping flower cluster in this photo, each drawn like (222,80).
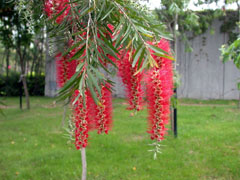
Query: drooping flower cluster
(101,114)
(81,120)
(159,84)
(131,81)
(89,116)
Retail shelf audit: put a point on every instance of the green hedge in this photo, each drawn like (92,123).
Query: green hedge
(9,86)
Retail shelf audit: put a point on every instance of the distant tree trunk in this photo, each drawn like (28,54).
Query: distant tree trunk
(7,60)
(24,80)
(23,76)
(32,67)
(50,72)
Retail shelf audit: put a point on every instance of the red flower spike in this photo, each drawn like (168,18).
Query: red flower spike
(159,82)
(104,111)
(65,69)
(102,114)
(81,118)
(132,82)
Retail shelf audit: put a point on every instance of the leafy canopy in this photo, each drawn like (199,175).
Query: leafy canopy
(133,26)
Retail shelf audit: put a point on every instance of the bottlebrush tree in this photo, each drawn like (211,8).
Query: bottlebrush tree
(99,34)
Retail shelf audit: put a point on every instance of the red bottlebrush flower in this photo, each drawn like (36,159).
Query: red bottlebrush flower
(81,120)
(131,81)
(54,7)
(65,69)
(91,116)
(103,112)
(159,82)
(61,70)
(101,115)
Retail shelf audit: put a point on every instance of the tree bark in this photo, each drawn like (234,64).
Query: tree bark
(84,164)
(7,61)
(24,81)
(23,77)
(174,110)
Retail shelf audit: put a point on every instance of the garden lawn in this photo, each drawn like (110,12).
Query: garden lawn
(33,146)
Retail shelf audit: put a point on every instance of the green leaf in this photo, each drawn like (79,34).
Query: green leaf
(98,73)
(144,65)
(80,67)
(107,43)
(59,14)
(107,49)
(93,81)
(76,98)
(101,10)
(80,86)
(106,15)
(73,47)
(137,55)
(70,82)
(141,58)
(78,53)
(165,56)
(93,93)
(158,50)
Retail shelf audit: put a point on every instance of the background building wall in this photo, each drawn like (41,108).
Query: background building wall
(203,75)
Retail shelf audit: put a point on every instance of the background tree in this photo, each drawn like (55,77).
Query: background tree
(180,21)
(16,34)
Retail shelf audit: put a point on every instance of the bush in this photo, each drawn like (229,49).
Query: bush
(10,86)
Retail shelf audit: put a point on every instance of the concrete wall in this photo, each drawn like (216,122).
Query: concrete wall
(50,75)
(203,75)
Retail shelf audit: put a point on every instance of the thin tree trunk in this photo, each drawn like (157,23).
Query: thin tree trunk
(7,61)
(24,81)
(23,77)
(84,164)
(175,39)
(33,64)
(174,110)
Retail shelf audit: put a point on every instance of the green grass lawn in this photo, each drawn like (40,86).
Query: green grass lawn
(33,145)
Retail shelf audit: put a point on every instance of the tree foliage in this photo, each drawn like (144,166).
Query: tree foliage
(179,19)
(88,23)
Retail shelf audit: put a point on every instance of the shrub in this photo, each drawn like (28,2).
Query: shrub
(10,86)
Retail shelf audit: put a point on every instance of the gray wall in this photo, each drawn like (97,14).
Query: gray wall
(50,74)
(203,75)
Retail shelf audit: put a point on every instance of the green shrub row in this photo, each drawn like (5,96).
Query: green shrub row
(10,86)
